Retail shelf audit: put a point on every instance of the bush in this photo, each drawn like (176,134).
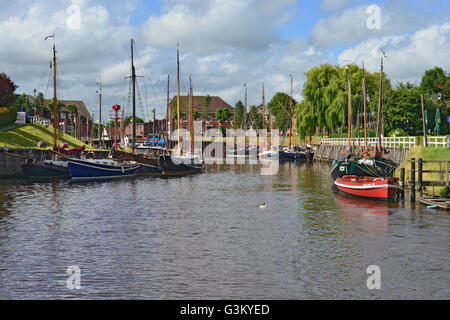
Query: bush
(445,192)
(7,116)
(398,133)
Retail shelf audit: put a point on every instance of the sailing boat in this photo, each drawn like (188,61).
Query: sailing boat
(269,153)
(50,169)
(291,153)
(181,164)
(148,165)
(368,163)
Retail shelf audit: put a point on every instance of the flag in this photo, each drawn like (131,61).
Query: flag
(48,37)
(384,53)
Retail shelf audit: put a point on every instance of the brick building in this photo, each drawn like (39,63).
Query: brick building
(80,122)
(198,102)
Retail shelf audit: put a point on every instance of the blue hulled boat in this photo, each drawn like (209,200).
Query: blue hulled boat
(92,169)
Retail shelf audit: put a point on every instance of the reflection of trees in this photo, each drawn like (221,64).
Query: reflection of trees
(5,198)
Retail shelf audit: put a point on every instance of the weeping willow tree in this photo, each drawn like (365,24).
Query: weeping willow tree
(325,104)
(305,124)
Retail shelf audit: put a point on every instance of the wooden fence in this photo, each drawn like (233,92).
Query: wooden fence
(442,178)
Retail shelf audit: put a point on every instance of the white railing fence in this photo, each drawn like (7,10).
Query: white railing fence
(406,142)
(39,120)
(440,141)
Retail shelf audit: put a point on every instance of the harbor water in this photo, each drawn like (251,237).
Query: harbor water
(204,237)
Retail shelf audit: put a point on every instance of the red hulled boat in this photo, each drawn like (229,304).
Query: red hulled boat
(368,187)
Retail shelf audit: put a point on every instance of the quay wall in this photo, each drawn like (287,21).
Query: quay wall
(12,167)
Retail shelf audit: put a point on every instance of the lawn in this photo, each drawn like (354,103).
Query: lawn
(428,153)
(28,136)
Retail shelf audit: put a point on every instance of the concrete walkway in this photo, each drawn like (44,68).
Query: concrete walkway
(9,128)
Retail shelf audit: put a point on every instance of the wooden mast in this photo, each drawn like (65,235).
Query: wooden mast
(264,114)
(100,132)
(365,108)
(133,80)
(168,122)
(290,115)
(55,100)
(191,114)
(166,141)
(380,104)
(263,108)
(245,108)
(178,100)
(270,135)
(349,110)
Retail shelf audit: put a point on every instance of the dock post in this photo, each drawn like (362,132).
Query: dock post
(446,174)
(413,178)
(402,179)
(419,177)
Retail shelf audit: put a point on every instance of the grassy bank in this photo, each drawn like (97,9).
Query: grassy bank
(428,153)
(28,136)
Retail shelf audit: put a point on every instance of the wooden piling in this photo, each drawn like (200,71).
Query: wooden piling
(402,179)
(413,182)
(419,177)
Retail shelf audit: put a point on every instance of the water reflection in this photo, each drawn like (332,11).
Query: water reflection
(203,236)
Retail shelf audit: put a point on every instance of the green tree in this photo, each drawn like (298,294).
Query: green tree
(431,79)
(238,114)
(226,115)
(255,119)
(222,115)
(129,120)
(325,94)
(50,106)
(7,88)
(39,103)
(435,86)
(403,109)
(279,108)
(196,114)
(206,104)
(305,119)
(22,100)
(72,109)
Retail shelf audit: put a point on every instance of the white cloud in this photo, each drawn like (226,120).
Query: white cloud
(249,25)
(223,44)
(408,55)
(349,26)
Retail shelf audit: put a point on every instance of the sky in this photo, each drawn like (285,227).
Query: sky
(223,45)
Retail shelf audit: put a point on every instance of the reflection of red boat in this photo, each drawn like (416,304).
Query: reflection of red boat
(368,187)
(361,207)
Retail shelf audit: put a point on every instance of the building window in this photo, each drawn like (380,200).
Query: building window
(62,115)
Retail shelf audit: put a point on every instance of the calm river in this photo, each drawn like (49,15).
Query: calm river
(203,237)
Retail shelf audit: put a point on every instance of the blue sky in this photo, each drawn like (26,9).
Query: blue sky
(223,43)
